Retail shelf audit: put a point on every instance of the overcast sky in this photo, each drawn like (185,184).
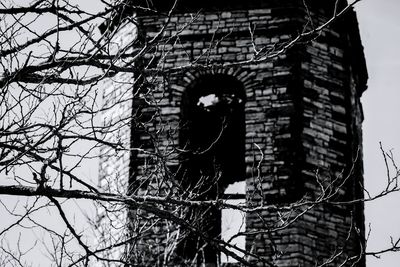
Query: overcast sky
(380,32)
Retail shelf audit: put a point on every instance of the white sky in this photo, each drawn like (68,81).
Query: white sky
(380,31)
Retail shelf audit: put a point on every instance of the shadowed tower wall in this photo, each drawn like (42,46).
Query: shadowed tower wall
(293,127)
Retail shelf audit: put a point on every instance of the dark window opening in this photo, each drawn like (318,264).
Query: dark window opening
(212,138)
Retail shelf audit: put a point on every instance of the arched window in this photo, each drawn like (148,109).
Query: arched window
(212,138)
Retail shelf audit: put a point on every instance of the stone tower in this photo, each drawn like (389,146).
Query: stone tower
(220,97)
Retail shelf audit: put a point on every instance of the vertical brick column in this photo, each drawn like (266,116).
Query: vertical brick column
(302,119)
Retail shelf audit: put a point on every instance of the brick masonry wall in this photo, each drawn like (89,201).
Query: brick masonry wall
(302,114)
(114,163)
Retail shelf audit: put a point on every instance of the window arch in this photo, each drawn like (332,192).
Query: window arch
(213,130)
(212,138)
